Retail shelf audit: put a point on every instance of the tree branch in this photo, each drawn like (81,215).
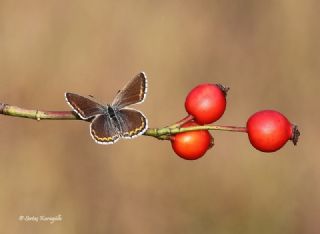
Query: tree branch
(159,133)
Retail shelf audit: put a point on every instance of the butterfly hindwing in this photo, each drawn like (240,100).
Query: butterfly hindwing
(103,131)
(83,106)
(132,93)
(132,122)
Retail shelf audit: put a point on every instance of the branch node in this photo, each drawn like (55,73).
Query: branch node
(2,106)
(38,116)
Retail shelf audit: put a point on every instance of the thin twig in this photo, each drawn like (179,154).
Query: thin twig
(159,133)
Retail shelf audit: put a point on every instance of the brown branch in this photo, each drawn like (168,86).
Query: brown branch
(159,133)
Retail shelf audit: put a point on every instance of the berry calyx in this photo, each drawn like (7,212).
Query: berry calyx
(206,102)
(191,145)
(269,130)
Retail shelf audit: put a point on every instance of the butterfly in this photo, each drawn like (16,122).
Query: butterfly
(112,122)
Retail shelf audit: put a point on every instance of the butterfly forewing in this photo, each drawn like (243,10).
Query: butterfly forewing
(84,107)
(103,131)
(133,92)
(132,122)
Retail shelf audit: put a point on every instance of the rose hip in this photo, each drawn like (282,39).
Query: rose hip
(206,102)
(191,145)
(269,130)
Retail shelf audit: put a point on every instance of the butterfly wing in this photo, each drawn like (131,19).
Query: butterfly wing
(84,107)
(132,93)
(132,123)
(103,131)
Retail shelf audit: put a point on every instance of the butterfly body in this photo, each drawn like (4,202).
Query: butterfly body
(115,121)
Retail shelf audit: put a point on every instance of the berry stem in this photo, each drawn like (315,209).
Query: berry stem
(167,131)
(181,122)
(159,133)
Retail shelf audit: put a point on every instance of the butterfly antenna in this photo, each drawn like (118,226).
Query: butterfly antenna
(95,99)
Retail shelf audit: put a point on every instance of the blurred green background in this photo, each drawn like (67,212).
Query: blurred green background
(266,51)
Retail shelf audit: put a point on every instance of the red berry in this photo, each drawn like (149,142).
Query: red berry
(191,145)
(269,130)
(206,102)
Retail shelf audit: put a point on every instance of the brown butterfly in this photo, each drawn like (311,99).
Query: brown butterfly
(115,121)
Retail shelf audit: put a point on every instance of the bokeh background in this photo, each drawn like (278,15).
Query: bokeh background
(266,51)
